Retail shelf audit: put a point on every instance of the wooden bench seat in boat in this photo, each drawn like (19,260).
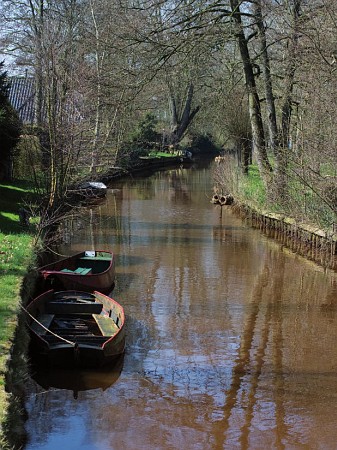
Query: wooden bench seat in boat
(83,270)
(74,308)
(106,325)
(95,258)
(45,320)
(98,264)
(90,340)
(78,271)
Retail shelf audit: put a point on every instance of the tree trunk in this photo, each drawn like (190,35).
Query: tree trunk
(253,99)
(270,101)
(180,124)
(37,15)
(99,57)
(289,78)
(282,156)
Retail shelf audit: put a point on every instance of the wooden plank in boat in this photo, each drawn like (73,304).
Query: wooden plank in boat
(45,320)
(106,325)
(74,308)
(79,271)
(95,258)
(74,296)
(83,270)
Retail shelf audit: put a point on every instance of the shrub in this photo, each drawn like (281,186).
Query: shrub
(145,136)
(203,143)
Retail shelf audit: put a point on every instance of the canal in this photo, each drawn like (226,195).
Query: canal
(231,338)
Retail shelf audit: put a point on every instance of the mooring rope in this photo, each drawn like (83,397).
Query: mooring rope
(74,344)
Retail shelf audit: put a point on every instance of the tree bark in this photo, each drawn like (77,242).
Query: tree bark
(180,124)
(99,58)
(270,100)
(253,99)
(282,155)
(290,75)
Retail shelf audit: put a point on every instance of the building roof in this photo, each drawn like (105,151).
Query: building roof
(22,97)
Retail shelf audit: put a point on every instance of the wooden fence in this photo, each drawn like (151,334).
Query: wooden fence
(309,241)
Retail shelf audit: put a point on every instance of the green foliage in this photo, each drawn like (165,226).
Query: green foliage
(203,144)
(129,152)
(143,139)
(4,85)
(27,164)
(155,154)
(12,198)
(252,188)
(146,134)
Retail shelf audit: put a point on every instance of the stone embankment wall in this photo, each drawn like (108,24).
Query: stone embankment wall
(308,241)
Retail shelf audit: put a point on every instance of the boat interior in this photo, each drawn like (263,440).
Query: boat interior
(88,265)
(75,318)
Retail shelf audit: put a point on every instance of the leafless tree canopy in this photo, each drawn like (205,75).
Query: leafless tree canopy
(258,75)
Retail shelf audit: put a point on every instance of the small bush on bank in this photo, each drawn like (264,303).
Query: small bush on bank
(145,134)
(203,144)
(27,158)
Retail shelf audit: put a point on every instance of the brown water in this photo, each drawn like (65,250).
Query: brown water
(231,339)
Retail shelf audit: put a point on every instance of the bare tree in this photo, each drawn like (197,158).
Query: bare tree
(45,38)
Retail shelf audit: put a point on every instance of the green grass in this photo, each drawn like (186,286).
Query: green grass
(162,155)
(16,255)
(302,202)
(252,188)
(12,197)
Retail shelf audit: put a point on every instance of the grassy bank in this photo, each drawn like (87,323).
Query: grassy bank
(16,255)
(304,221)
(311,201)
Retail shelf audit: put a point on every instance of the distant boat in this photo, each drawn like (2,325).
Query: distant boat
(93,189)
(76,329)
(85,271)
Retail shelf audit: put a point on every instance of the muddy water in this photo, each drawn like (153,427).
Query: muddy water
(231,339)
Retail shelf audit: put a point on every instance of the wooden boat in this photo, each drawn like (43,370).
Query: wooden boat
(93,188)
(85,271)
(76,329)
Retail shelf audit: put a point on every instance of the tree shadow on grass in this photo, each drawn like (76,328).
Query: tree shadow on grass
(12,226)
(16,272)
(12,198)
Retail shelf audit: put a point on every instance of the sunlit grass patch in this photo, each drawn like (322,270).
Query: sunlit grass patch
(301,201)
(12,198)
(21,187)
(162,155)
(252,188)
(16,255)
(10,216)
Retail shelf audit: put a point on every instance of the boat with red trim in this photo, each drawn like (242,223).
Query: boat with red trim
(76,329)
(85,271)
